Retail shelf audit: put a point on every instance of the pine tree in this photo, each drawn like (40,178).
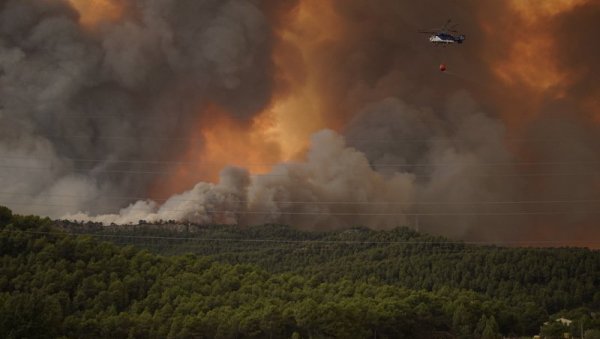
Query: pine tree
(491,330)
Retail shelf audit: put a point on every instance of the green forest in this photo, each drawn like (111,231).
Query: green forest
(61,279)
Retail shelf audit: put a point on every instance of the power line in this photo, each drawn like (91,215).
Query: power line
(242,247)
(252,240)
(497,202)
(329,213)
(400,165)
(106,171)
(248,121)
(307,242)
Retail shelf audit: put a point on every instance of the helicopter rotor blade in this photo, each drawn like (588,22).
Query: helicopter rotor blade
(447,23)
(444,29)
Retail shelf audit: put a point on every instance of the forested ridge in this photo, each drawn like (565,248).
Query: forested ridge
(556,278)
(274,281)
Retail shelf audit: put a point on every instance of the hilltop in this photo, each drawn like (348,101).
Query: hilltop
(273,280)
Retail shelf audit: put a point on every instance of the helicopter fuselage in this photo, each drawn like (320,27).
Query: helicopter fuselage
(445,38)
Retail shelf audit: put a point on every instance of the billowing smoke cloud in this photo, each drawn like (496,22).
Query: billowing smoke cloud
(81,107)
(382,186)
(335,187)
(490,150)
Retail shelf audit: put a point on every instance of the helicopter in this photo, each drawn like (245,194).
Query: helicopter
(445,34)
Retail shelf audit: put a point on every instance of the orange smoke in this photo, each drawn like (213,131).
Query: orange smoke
(92,12)
(529,64)
(220,140)
(297,106)
(230,142)
(592,104)
(533,10)
(279,133)
(531,61)
(530,67)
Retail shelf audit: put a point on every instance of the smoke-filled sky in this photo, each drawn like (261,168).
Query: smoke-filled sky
(318,114)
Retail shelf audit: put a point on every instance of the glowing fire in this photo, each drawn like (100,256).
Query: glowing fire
(93,12)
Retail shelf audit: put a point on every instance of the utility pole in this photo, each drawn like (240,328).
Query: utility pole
(417,223)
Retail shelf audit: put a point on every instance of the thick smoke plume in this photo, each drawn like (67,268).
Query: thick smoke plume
(504,146)
(83,108)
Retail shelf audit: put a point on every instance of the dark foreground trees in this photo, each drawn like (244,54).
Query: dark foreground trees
(55,284)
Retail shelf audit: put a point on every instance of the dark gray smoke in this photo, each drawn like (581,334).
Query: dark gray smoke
(414,168)
(415,147)
(459,159)
(81,108)
(334,188)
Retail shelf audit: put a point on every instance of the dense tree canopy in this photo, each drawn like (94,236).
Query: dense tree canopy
(554,278)
(350,284)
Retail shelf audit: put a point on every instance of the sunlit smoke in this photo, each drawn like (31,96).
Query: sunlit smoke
(198,110)
(524,48)
(218,140)
(531,58)
(296,108)
(93,12)
(533,10)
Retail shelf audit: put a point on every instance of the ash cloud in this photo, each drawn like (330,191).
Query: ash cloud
(573,32)
(424,171)
(77,104)
(415,147)
(334,188)
(450,156)
(461,117)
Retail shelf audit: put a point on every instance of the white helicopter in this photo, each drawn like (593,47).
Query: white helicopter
(444,35)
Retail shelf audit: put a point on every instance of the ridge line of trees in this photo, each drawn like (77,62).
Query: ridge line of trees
(55,284)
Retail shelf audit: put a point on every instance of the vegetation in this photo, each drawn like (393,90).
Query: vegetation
(554,278)
(350,284)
